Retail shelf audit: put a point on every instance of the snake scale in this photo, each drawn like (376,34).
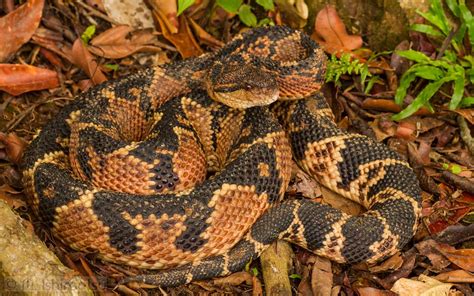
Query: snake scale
(149,171)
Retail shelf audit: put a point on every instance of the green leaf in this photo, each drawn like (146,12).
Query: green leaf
(254,271)
(414,55)
(371,83)
(246,16)
(265,21)
(458,91)
(231,6)
(295,276)
(467,19)
(88,33)
(183,5)
(427,29)
(407,78)
(467,102)
(453,6)
(428,72)
(267,4)
(455,169)
(422,99)
(113,67)
(445,166)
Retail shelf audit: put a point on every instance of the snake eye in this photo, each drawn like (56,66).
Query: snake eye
(247,86)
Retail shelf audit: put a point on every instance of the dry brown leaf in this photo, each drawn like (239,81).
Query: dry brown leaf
(339,202)
(205,37)
(167,11)
(468,114)
(86,61)
(234,279)
(369,291)
(463,258)
(321,277)
(53,42)
(392,263)
(330,32)
(426,286)
(456,276)
(429,248)
(183,40)
(121,41)
(17,79)
(18,26)
(383,128)
(11,197)
(257,289)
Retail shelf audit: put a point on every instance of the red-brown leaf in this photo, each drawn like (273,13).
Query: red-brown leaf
(121,41)
(87,62)
(18,26)
(183,40)
(331,32)
(463,258)
(14,146)
(17,79)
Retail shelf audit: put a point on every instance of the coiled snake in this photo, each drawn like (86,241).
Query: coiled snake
(121,171)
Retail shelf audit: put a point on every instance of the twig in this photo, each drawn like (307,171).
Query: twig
(97,13)
(446,42)
(458,181)
(466,134)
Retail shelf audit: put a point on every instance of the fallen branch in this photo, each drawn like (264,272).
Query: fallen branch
(28,267)
(466,134)
(276,261)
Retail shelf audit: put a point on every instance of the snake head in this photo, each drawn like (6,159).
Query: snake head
(240,82)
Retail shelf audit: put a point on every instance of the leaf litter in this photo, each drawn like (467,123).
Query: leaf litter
(46,64)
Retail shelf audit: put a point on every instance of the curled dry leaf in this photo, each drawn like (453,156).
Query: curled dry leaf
(234,279)
(392,263)
(14,146)
(369,291)
(18,26)
(134,13)
(456,276)
(183,40)
(205,37)
(17,79)
(86,61)
(121,41)
(321,277)
(330,32)
(54,42)
(167,11)
(424,287)
(11,197)
(463,258)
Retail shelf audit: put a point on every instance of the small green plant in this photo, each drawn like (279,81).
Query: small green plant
(244,11)
(88,34)
(454,67)
(346,65)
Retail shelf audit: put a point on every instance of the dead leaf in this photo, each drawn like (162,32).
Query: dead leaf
(463,258)
(369,291)
(321,277)
(295,13)
(87,62)
(17,79)
(330,32)
(425,286)
(392,263)
(183,40)
(134,13)
(406,130)
(18,26)
(121,41)
(257,289)
(11,197)
(167,12)
(54,42)
(339,202)
(456,276)
(468,114)
(429,248)
(234,279)
(205,37)
(383,128)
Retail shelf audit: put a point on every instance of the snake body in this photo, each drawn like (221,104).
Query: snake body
(121,171)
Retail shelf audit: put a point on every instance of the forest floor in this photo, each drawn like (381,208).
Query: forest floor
(58,49)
